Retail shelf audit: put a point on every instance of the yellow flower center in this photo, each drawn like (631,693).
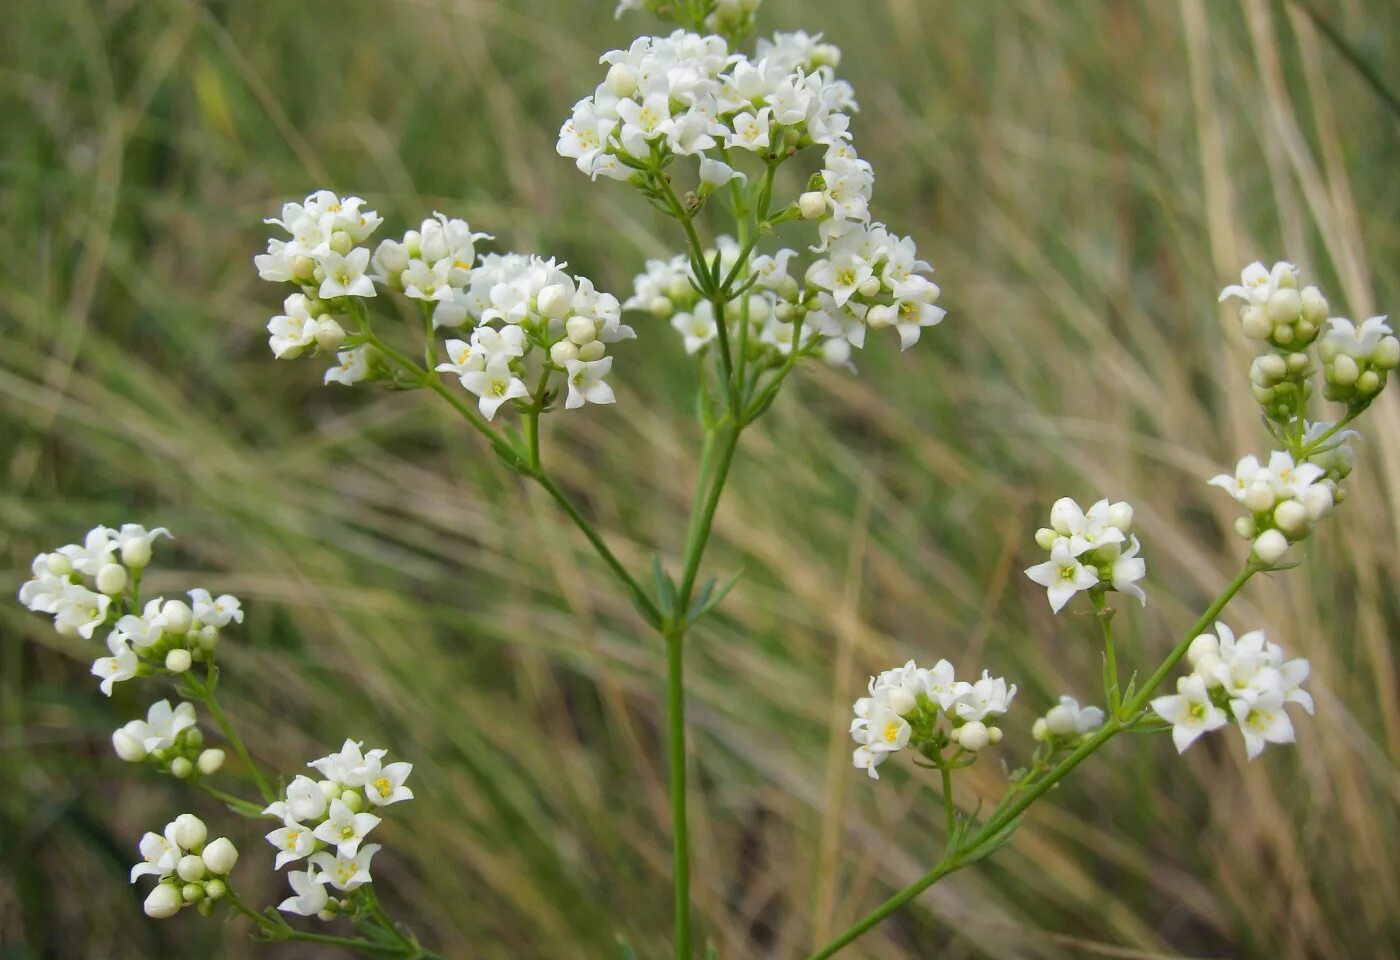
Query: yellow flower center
(891,733)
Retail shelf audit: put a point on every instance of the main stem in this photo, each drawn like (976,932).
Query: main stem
(680,835)
(993,832)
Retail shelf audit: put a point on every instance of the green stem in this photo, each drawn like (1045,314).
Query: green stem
(680,833)
(1104,614)
(281,931)
(1308,449)
(992,833)
(696,543)
(948,807)
(245,808)
(205,693)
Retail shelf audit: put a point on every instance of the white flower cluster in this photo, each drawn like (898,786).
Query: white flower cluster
(170,739)
(1066,723)
(1089,550)
(325,821)
(189,871)
(904,710)
(84,586)
(432,265)
(1285,499)
(1274,309)
(546,322)
(1246,680)
(1357,362)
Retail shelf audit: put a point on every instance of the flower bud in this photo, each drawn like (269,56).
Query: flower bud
(190,831)
(163,902)
(1255,322)
(1368,383)
(562,352)
(902,701)
(1245,527)
(181,768)
(1271,369)
(593,350)
(661,307)
(1259,496)
(329,789)
(1120,515)
(176,617)
(995,733)
(1060,721)
(192,892)
(1291,517)
(1344,370)
(215,889)
(220,856)
(329,334)
(1040,730)
(1045,538)
(1203,649)
(621,81)
(341,242)
(1386,355)
(1318,501)
(304,269)
(581,330)
(881,315)
(1314,306)
(353,800)
(128,745)
(190,868)
(869,286)
(111,579)
(178,660)
(1270,546)
(1060,512)
(208,637)
(973,736)
(812,205)
(554,301)
(1284,306)
(210,761)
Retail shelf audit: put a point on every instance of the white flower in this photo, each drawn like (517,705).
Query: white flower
(586,384)
(145,630)
(1062,575)
(134,543)
(344,828)
(350,767)
(1258,283)
(345,275)
(716,173)
(1129,568)
(43,593)
(697,327)
(215,611)
(461,358)
(293,841)
(1262,720)
(159,854)
(988,697)
(292,332)
(163,724)
(94,553)
(346,873)
(352,367)
(311,895)
(1189,711)
(495,385)
(305,799)
(389,787)
(120,665)
(1069,719)
(750,131)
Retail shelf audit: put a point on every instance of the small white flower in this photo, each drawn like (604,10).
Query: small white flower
(1129,568)
(309,888)
(93,553)
(1262,720)
(159,855)
(121,665)
(1069,719)
(134,543)
(586,384)
(697,327)
(215,611)
(344,828)
(345,275)
(164,723)
(350,767)
(305,799)
(389,787)
(352,366)
(1189,711)
(293,841)
(988,697)
(716,173)
(346,873)
(1062,575)
(495,385)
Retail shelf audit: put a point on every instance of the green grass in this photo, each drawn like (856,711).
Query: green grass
(1084,177)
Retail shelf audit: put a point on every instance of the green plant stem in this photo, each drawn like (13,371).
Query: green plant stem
(204,692)
(1104,614)
(700,530)
(245,808)
(680,833)
(993,832)
(273,930)
(949,809)
(1316,444)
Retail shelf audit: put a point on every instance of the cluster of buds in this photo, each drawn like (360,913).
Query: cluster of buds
(1089,550)
(1356,363)
(189,871)
(77,583)
(1066,724)
(928,710)
(1274,309)
(326,821)
(1245,680)
(1284,499)
(170,739)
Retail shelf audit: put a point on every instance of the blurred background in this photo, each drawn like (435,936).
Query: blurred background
(1084,176)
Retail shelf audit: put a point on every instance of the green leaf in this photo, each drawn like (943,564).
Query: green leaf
(710,598)
(665,589)
(625,948)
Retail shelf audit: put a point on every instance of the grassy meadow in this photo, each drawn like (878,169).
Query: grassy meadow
(1084,176)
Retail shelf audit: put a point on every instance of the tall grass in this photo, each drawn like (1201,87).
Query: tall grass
(1083,175)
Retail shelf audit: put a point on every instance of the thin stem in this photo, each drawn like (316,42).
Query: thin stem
(1317,442)
(680,833)
(282,931)
(205,693)
(695,544)
(1104,614)
(238,805)
(993,832)
(948,807)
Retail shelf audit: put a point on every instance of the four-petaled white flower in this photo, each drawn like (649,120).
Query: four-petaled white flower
(1062,575)
(215,611)
(346,872)
(388,787)
(311,896)
(293,842)
(345,275)
(120,665)
(344,828)
(495,385)
(1190,712)
(586,384)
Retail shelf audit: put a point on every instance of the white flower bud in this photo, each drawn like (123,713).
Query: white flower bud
(812,205)
(1045,538)
(208,637)
(1271,369)
(192,892)
(413,243)
(220,856)
(1318,501)
(178,660)
(759,309)
(1058,515)
(1314,306)
(661,307)
(128,745)
(329,334)
(163,902)
(1368,383)
(715,173)
(554,301)
(1245,527)
(1297,362)
(176,617)
(190,831)
(1291,517)
(1259,496)
(111,579)
(1060,721)
(902,701)
(1345,371)
(621,81)
(341,242)
(881,316)
(1387,353)
(593,350)
(190,868)
(210,761)
(215,889)
(1040,730)
(181,768)
(581,330)
(973,736)
(57,564)
(1270,546)
(1120,515)
(562,352)
(869,286)
(995,733)
(353,799)
(1255,322)
(1285,306)
(329,789)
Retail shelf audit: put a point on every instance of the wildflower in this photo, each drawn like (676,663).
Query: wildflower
(215,611)
(311,897)
(1062,575)
(346,872)
(344,828)
(122,663)
(1189,711)
(495,385)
